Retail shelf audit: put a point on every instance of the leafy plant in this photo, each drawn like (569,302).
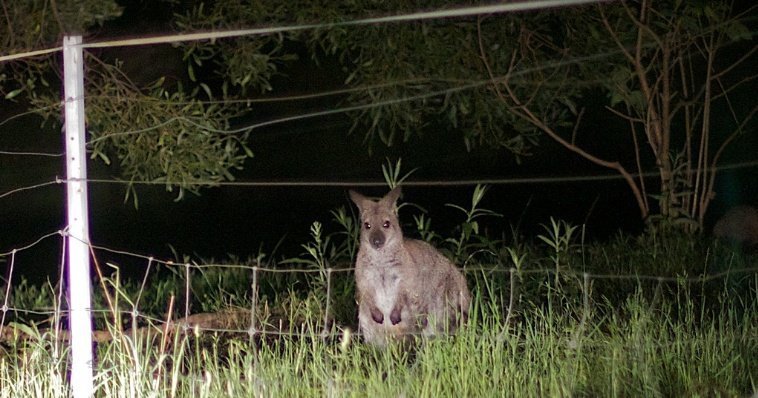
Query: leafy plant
(350,231)
(424,228)
(392,175)
(469,228)
(559,238)
(319,255)
(26,296)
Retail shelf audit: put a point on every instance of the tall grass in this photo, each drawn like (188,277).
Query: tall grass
(631,348)
(549,319)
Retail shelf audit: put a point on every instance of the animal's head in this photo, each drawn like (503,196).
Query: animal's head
(379,224)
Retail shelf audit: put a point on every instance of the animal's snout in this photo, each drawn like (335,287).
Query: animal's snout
(376,239)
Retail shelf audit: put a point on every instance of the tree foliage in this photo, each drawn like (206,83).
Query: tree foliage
(502,80)
(667,72)
(506,79)
(414,75)
(164,131)
(28,25)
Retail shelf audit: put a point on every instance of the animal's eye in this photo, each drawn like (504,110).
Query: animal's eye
(367,225)
(386,224)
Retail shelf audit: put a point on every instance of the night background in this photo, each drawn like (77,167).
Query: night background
(241,221)
(224,136)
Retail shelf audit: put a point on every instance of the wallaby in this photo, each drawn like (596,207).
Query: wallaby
(739,225)
(404,286)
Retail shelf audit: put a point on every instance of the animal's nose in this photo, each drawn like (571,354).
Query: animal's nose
(377,240)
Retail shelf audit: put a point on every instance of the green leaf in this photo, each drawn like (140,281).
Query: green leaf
(24,329)
(737,31)
(103,157)
(207,90)
(570,104)
(13,93)
(637,99)
(616,98)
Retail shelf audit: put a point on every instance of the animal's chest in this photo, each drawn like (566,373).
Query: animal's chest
(386,285)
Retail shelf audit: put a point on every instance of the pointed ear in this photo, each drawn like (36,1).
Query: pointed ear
(357,198)
(392,196)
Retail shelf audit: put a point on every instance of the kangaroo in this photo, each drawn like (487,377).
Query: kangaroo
(404,286)
(739,225)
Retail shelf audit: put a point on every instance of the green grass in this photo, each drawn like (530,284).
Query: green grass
(585,320)
(631,348)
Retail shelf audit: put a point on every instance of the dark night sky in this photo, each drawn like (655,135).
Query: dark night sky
(236,220)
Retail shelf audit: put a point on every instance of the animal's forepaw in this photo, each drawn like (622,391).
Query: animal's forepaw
(395,316)
(377,315)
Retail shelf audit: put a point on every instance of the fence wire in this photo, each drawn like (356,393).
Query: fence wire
(415,16)
(364,183)
(258,324)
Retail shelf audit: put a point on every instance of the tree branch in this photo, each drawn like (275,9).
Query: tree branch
(701,197)
(638,160)
(614,36)
(525,113)
(717,156)
(576,126)
(736,63)
(726,90)
(57,16)
(623,115)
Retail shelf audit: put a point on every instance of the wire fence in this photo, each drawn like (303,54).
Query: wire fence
(136,311)
(415,16)
(364,183)
(256,322)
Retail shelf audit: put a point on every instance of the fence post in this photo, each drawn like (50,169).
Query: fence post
(80,321)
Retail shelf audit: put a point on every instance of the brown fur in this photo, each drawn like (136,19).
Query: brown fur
(404,286)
